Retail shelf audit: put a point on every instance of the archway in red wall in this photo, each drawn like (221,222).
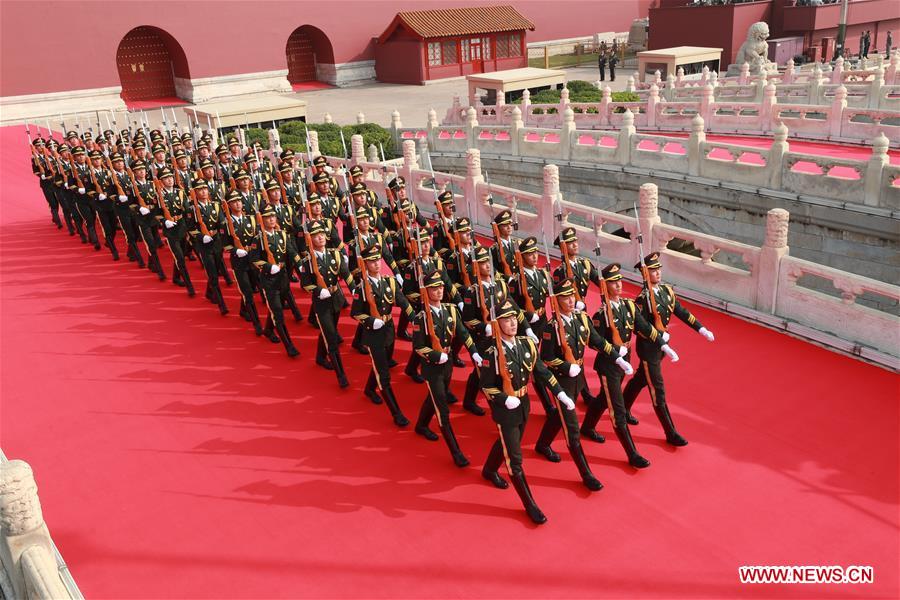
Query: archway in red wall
(149,60)
(307,47)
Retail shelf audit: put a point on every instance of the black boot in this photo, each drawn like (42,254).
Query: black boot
(286,340)
(412,368)
(534,513)
(357,341)
(371,389)
(544,397)
(112,248)
(254,318)
(547,452)
(491,464)
(402,323)
(269,331)
(458,362)
(322,356)
(587,477)
(459,459)
(495,478)
(339,369)
(591,418)
(672,436)
(424,420)
(631,419)
(399,419)
(292,305)
(471,396)
(187,282)
(634,459)
(223,308)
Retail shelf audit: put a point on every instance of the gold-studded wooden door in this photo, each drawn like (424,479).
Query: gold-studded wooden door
(301,59)
(145,67)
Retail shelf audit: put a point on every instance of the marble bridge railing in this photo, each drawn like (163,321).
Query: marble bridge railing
(873,182)
(769,285)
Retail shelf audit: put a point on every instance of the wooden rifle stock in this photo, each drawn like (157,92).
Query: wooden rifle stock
(564,249)
(523,283)
(651,298)
(507,272)
(231,230)
(607,311)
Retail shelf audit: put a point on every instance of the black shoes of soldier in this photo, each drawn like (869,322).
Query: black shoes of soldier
(548,453)
(592,483)
(460,460)
(591,434)
(392,363)
(324,363)
(414,375)
(638,462)
(427,433)
(451,398)
(495,478)
(474,409)
(458,362)
(675,439)
(360,349)
(631,420)
(373,396)
(404,335)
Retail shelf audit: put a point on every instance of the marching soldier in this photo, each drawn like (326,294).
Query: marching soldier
(579,269)
(100,180)
(373,301)
(563,351)
(320,163)
(504,378)
(173,206)
(66,193)
(277,254)
(234,153)
(436,328)
(357,175)
(147,216)
(461,267)
(226,168)
(122,190)
(657,303)
(207,172)
(184,177)
(503,252)
(321,272)
(314,204)
(257,176)
(206,220)
(251,198)
(331,203)
(444,240)
(359,196)
(80,182)
(617,320)
(159,161)
(291,188)
(241,239)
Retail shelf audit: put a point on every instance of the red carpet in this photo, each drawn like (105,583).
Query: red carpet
(310,86)
(155,103)
(178,456)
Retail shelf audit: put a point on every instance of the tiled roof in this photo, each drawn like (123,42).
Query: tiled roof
(463,21)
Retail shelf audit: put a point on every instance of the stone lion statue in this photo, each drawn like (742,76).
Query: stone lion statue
(755,51)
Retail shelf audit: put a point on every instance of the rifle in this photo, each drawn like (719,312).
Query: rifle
(558,322)
(645,274)
(564,250)
(230,223)
(604,293)
(392,204)
(162,201)
(523,282)
(500,366)
(367,287)
(264,237)
(507,272)
(34,154)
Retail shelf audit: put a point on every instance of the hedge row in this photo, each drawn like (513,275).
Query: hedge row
(293,136)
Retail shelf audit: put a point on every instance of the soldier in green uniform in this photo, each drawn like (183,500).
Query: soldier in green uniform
(373,301)
(251,198)
(40,166)
(321,274)
(67,191)
(81,182)
(276,255)
(434,334)
(461,267)
(173,206)
(97,191)
(357,175)
(505,373)
(314,203)
(503,252)
(331,204)
(184,177)
(146,217)
(320,164)
(565,342)
(241,238)
(122,190)
(359,197)
(649,372)
(617,320)
(205,221)
(444,241)
(226,168)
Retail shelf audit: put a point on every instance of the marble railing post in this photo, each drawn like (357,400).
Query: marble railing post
(767,108)
(777,151)
(515,130)
(361,118)
(549,198)
(837,73)
(669,90)
(604,108)
(357,149)
(706,103)
(274,145)
(526,107)
(761,84)
(473,178)
(314,143)
(563,100)
(652,104)
(876,88)
(875,170)
(395,128)
(626,133)
(695,145)
(471,124)
(372,154)
(648,215)
(788,76)
(567,135)
(816,82)
(774,248)
(629,84)
(744,77)
(431,126)
(836,114)
(409,163)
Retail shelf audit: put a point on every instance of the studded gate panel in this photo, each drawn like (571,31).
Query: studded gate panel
(145,67)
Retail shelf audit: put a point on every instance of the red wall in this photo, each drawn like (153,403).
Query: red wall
(399,61)
(43,48)
(712,26)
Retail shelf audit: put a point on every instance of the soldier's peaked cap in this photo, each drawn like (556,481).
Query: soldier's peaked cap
(566,235)
(651,261)
(612,272)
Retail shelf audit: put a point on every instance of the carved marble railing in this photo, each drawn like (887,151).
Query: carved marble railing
(837,120)
(872,182)
(30,566)
(759,282)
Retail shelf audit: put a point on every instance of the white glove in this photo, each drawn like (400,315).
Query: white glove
(144,210)
(623,350)
(488,331)
(566,401)
(579,305)
(66,185)
(512,402)
(574,370)
(532,335)
(43,177)
(324,294)
(81,191)
(206,239)
(101,196)
(399,278)
(377,324)
(666,337)
(707,334)
(170,224)
(274,270)
(626,368)
(123,198)
(443,358)
(476,358)
(241,252)
(460,305)
(669,352)
(535,318)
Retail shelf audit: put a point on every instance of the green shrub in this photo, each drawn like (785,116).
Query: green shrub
(580,86)
(625,97)
(293,136)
